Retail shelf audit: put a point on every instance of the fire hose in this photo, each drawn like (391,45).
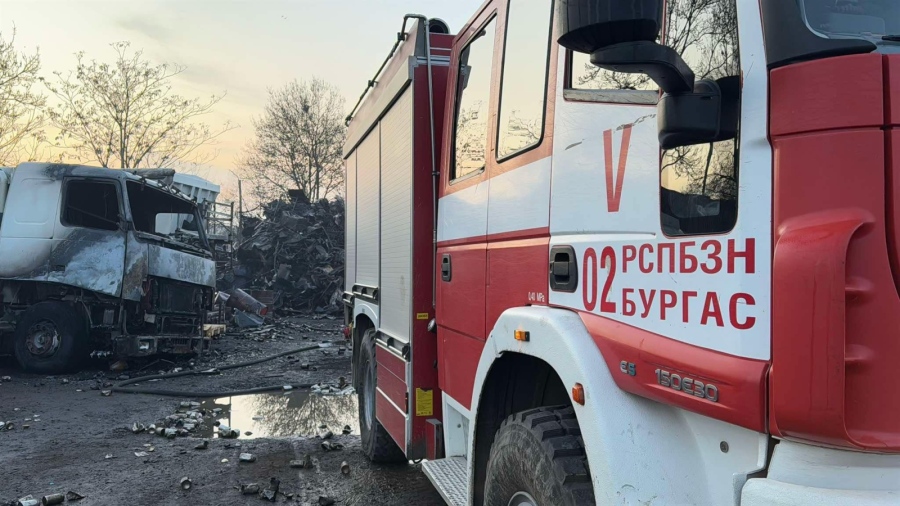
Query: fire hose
(121,387)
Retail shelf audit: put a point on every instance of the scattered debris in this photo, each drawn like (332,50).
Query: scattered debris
(141,454)
(329,446)
(248,457)
(109,456)
(118,366)
(245,302)
(186,483)
(324,433)
(248,433)
(271,493)
(228,433)
(65,381)
(247,320)
(297,250)
(7,378)
(73,496)
(105,393)
(326,501)
(224,461)
(345,468)
(137,428)
(51,499)
(250,489)
(305,463)
(28,500)
(347,430)
(203,445)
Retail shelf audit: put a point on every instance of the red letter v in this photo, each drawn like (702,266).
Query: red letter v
(614,194)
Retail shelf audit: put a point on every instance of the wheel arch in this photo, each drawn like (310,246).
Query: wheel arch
(515,382)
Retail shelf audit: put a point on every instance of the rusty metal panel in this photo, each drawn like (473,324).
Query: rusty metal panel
(181,266)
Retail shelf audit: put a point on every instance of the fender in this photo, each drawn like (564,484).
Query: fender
(361,307)
(639,450)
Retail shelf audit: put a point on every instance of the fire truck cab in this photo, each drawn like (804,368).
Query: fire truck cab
(633,252)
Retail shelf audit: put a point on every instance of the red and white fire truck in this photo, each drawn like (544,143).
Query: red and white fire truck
(633,252)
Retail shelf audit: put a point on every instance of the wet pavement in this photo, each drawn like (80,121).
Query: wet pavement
(80,440)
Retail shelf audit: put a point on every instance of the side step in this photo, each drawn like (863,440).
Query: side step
(449,478)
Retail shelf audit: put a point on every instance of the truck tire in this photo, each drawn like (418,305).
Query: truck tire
(377,444)
(538,459)
(50,338)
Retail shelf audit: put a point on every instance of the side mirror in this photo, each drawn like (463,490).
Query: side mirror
(588,25)
(620,35)
(709,114)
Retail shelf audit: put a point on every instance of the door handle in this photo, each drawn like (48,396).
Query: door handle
(446,271)
(563,269)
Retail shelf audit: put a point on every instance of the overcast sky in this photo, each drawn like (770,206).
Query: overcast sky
(241,47)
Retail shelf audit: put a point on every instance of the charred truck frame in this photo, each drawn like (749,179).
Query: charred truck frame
(83,270)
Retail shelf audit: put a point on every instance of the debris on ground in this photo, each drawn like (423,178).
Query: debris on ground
(329,446)
(297,250)
(73,496)
(49,500)
(250,489)
(326,501)
(28,500)
(248,457)
(203,445)
(305,463)
(186,483)
(271,493)
(347,430)
(345,468)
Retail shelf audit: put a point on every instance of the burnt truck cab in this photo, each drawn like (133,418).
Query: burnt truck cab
(84,270)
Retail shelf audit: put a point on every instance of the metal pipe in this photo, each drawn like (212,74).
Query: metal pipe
(434,171)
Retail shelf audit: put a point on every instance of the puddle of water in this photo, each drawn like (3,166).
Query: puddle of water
(278,415)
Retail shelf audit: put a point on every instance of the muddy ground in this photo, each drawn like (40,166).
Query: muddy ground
(78,439)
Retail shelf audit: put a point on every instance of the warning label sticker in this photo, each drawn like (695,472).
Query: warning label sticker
(424,402)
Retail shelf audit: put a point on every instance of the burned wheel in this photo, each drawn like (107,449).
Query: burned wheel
(377,444)
(538,459)
(50,338)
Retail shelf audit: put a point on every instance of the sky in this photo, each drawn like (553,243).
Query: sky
(237,47)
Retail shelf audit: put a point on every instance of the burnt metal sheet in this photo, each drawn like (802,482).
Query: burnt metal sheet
(181,266)
(136,268)
(89,259)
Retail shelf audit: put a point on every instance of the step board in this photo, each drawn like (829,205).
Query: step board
(449,478)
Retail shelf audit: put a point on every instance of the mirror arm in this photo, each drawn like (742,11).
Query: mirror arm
(661,63)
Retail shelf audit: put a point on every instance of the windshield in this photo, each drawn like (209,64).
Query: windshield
(157,212)
(875,20)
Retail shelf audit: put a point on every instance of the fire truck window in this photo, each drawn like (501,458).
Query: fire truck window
(587,76)
(91,204)
(524,82)
(700,183)
(473,91)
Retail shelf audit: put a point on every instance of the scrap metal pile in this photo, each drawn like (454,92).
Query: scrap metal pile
(296,250)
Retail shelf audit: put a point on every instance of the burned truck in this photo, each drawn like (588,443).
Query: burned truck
(84,269)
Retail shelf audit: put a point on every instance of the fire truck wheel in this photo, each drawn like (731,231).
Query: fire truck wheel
(50,338)
(377,444)
(538,459)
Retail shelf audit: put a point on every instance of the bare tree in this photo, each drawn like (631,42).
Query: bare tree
(298,142)
(127,115)
(21,108)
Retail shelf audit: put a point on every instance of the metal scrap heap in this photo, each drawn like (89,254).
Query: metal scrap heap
(297,250)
